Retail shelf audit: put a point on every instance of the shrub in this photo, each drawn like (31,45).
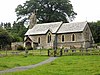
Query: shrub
(98,44)
(29,48)
(20,47)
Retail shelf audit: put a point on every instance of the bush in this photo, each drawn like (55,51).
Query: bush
(29,48)
(20,47)
(98,44)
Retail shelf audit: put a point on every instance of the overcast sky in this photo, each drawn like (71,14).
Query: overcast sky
(87,10)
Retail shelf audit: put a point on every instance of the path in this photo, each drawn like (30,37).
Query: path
(22,68)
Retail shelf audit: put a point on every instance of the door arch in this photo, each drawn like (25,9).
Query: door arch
(28,44)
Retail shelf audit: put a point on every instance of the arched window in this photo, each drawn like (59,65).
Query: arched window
(49,38)
(63,38)
(73,37)
(39,40)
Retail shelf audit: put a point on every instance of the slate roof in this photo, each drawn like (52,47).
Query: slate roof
(43,28)
(58,27)
(72,27)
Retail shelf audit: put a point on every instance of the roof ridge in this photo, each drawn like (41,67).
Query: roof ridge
(78,22)
(49,23)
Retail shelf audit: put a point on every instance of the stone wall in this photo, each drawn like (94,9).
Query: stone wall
(14,45)
(68,40)
(87,35)
(43,40)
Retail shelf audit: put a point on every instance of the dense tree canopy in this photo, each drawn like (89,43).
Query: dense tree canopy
(46,10)
(95,28)
(5,38)
(17,30)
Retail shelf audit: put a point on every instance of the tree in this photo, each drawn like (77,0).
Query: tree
(95,28)
(1,25)
(5,38)
(17,31)
(46,10)
(7,26)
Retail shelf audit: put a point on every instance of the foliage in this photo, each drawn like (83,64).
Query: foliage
(95,28)
(20,47)
(46,10)
(17,30)
(15,61)
(5,38)
(67,65)
(29,48)
(6,25)
(98,44)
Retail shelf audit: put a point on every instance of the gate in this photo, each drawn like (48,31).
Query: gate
(55,53)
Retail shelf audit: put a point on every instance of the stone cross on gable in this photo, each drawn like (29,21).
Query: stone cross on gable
(32,20)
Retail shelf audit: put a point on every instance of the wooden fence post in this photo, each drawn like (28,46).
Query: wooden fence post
(61,52)
(48,53)
(54,53)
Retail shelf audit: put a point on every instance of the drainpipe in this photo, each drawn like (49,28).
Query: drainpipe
(55,44)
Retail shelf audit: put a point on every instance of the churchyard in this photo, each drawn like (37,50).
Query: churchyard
(46,25)
(66,65)
(19,60)
(72,62)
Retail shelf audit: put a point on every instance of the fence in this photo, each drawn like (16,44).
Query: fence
(4,53)
(29,52)
(53,53)
(70,52)
(81,52)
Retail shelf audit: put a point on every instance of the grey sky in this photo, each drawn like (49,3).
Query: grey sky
(87,10)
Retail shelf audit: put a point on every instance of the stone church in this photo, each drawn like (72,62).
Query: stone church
(58,35)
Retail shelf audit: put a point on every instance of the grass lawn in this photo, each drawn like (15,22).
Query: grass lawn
(15,61)
(67,65)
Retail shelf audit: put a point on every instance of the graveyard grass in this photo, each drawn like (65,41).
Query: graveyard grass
(67,65)
(16,61)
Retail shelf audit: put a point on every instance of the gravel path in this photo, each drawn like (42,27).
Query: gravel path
(22,68)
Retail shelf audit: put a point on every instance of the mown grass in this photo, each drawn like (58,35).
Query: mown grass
(67,65)
(15,61)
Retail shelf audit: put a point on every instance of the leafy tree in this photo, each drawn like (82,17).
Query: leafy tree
(1,25)
(18,31)
(46,10)
(95,28)
(7,26)
(5,38)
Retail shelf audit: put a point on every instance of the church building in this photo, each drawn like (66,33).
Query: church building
(60,35)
